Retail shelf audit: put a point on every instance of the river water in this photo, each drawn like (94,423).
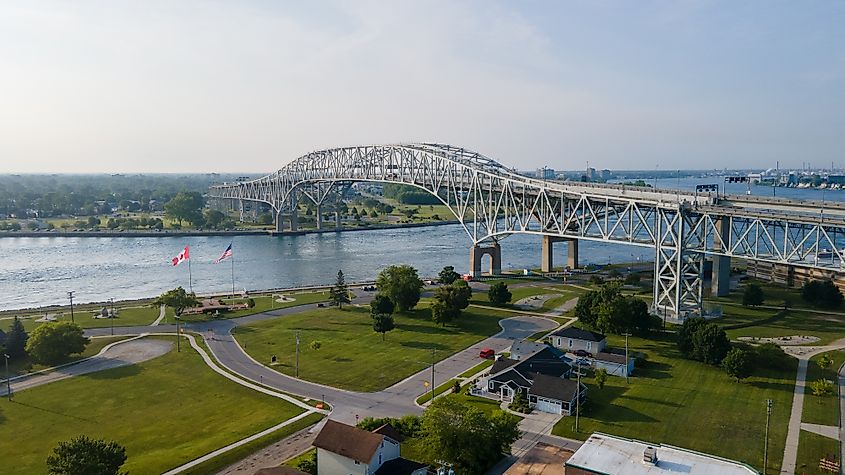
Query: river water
(39,271)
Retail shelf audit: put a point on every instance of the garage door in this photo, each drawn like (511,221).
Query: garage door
(545,405)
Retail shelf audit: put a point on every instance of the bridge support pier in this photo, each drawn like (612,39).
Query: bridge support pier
(720,283)
(476,252)
(294,220)
(337,219)
(319,216)
(547,257)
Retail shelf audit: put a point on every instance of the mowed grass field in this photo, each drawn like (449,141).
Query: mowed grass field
(827,327)
(811,449)
(263,303)
(825,409)
(352,356)
(26,365)
(689,404)
(126,317)
(166,411)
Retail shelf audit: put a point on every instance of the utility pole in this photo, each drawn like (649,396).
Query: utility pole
(578,398)
(70,297)
(178,336)
(8,379)
(627,361)
(432,375)
(111,317)
(766,444)
(297,354)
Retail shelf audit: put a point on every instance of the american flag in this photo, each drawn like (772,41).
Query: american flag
(226,253)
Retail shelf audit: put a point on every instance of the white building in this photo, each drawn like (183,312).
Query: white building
(346,450)
(610,455)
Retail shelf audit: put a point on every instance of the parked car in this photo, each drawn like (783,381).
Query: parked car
(583,354)
(369,288)
(487,353)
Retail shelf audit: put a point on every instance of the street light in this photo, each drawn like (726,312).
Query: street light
(111,317)
(766,444)
(8,379)
(70,297)
(178,335)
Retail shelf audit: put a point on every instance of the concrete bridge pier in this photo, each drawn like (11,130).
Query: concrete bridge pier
(294,220)
(337,219)
(720,284)
(319,217)
(547,257)
(477,252)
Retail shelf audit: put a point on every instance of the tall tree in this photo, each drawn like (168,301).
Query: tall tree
(177,299)
(499,294)
(822,293)
(466,437)
(53,342)
(383,323)
(16,339)
(752,296)
(85,456)
(449,300)
(685,335)
(737,364)
(448,275)
(185,206)
(381,304)
(339,294)
(711,344)
(402,285)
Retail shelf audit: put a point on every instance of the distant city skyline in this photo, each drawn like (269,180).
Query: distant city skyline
(196,87)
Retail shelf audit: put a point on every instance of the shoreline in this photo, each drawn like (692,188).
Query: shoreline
(195,233)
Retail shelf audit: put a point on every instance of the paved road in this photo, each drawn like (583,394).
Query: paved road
(348,406)
(131,352)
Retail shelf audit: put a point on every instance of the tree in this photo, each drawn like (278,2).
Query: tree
(265,219)
(614,274)
(401,285)
(449,300)
(632,278)
(710,344)
(822,387)
(737,364)
(584,308)
(308,464)
(825,361)
(383,323)
(822,293)
(316,345)
(185,206)
(448,275)
(177,299)
(213,218)
(381,304)
(339,294)
(82,455)
(16,339)
(466,437)
(752,296)
(499,294)
(456,387)
(601,377)
(53,342)
(685,335)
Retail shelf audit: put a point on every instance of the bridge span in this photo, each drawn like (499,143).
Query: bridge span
(492,201)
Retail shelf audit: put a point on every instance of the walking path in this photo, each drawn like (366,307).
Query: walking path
(841,412)
(161,313)
(114,355)
(275,454)
(790,452)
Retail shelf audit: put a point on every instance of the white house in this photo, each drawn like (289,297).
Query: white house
(347,450)
(572,339)
(614,363)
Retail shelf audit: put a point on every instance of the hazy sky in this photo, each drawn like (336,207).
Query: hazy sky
(176,85)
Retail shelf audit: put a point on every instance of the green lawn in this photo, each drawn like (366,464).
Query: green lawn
(126,317)
(263,303)
(688,404)
(811,449)
(352,355)
(475,369)
(825,409)
(26,365)
(795,322)
(447,386)
(166,412)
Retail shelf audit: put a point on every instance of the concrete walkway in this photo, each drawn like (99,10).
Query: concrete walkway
(275,454)
(534,428)
(831,432)
(112,356)
(161,313)
(841,412)
(790,452)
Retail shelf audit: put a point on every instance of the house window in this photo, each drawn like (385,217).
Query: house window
(491,385)
(559,342)
(570,342)
(379,458)
(357,463)
(589,345)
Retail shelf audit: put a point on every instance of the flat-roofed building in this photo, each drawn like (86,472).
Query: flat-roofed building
(610,455)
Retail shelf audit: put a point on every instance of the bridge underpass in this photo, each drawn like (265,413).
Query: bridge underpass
(491,202)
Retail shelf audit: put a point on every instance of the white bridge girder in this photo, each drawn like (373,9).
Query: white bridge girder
(491,202)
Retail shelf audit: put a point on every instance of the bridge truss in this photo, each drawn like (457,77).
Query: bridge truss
(491,201)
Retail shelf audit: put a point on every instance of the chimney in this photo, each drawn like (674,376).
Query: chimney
(650,456)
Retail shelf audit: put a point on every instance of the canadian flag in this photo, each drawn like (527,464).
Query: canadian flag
(182,257)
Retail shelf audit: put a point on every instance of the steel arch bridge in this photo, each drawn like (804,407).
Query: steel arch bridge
(491,201)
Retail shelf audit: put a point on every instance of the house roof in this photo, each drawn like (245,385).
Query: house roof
(514,376)
(546,362)
(348,441)
(399,466)
(579,334)
(610,357)
(502,364)
(389,431)
(554,388)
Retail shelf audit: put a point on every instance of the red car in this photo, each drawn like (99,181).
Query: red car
(487,353)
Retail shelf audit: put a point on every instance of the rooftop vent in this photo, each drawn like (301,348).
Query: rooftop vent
(650,455)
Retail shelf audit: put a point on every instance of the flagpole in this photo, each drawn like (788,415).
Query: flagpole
(233,273)
(190,276)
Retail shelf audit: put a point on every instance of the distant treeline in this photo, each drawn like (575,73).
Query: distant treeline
(409,195)
(46,196)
